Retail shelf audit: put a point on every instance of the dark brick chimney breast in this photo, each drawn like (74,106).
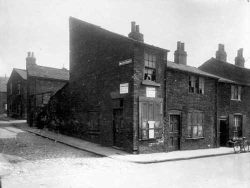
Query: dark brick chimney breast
(239,59)
(135,33)
(180,55)
(220,53)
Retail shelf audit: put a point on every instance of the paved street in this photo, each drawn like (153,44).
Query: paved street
(39,162)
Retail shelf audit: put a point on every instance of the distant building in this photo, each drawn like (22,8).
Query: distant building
(233,94)
(17,94)
(3,94)
(31,89)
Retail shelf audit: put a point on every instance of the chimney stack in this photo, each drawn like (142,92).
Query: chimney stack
(180,55)
(239,59)
(221,55)
(30,60)
(135,33)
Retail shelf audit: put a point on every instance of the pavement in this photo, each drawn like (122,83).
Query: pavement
(119,154)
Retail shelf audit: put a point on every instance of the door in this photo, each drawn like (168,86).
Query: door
(224,133)
(174,129)
(118,125)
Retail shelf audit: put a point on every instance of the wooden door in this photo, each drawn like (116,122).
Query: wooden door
(174,130)
(118,124)
(224,133)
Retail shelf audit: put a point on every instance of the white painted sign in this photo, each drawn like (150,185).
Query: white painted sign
(125,62)
(150,92)
(123,88)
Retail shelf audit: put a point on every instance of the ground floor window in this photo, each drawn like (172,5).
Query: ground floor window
(237,126)
(195,124)
(150,123)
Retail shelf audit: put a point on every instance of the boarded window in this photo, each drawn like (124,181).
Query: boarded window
(150,120)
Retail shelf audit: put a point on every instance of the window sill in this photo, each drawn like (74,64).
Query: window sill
(150,83)
(195,138)
(235,100)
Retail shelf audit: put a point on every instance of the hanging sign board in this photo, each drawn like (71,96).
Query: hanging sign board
(123,88)
(125,62)
(150,92)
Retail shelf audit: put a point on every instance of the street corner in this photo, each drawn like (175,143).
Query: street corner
(5,166)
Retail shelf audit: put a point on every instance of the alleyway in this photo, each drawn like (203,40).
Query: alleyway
(41,163)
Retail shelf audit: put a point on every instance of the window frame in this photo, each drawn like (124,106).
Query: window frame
(196,84)
(150,60)
(194,124)
(237,125)
(19,88)
(236,92)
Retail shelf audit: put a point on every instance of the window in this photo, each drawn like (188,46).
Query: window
(150,67)
(150,120)
(237,126)
(196,84)
(235,92)
(19,89)
(195,124)
(11,105)
(18,108)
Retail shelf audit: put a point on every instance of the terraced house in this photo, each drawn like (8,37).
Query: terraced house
(233,94)
(29,90)
(124,93)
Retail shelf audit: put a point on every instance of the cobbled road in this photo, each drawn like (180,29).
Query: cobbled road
(38,161)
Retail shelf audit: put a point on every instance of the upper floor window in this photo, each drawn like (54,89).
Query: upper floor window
(196,84)
(19,88)
(236,92)
(150,67)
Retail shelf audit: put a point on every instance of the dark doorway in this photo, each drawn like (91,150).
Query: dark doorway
(174,137)
(224,132)
(118,124)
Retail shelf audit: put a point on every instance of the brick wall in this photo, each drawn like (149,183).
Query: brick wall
(16,98)
(95,78)
(226,106)
(38,86)
(179,99)
(3,101)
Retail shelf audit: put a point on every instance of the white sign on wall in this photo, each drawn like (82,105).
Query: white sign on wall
(125,62)
(150,92)
(123,88)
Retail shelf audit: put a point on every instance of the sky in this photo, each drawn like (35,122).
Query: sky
(41,26)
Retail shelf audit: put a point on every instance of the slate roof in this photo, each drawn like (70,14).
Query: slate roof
(189,69)
(3,82)
(48,72)
(22,73)
(227,72)
(77,21)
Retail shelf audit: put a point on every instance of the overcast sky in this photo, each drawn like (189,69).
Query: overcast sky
(41,26)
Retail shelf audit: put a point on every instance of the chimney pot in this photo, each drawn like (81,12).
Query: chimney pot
(239,59)
(32,54)
(133,27)
(29,54)
(137,29)
(183,46)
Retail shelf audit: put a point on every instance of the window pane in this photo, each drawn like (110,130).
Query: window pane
(171,142)
(150,64)
(232,91)
(146,56)
(153,64)
(150,57)
(239,92)
(146,63)
(151,133)
(195,130)
(154,58)
(144,125)
(200,131)
(189,129)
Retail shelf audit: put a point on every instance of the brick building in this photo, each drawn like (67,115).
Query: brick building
(233,94)
(17,94)
(42,83)
(191,105)
(124,93)
(3,94)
